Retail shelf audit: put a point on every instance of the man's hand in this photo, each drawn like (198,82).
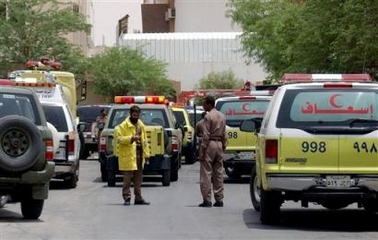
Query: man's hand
(201,155)
(135,138)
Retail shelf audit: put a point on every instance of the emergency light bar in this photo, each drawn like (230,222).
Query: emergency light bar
(263,92)
(35,84)
(292,78)
(43,64)
(27,84)
(139,99)
(6,82)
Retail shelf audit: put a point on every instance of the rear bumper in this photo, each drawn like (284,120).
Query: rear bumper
(244,166)
(302,182)
(31,177)
(64,167)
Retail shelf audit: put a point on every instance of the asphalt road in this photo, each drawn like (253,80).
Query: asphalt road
(95,211)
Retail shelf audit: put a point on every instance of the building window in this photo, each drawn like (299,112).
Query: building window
(75,8)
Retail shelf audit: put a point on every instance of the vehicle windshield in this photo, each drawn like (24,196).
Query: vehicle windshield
(327,107)
(180,118)
(197,117)
(89,114)
(55,116)
(148,116)
(18,104)
(238,110)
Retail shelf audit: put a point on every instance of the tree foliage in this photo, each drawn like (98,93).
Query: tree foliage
(30,29)
(124,71)
(220,80)
(309,36)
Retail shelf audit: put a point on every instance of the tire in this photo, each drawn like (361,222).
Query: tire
(20,143)
(85,154)
(166,178)
(232,172)
(371,206)
(104,172)
(71,182)
(111,178)
(270,207)
(190,157)
(255,190)
(174,175)
(335,205)
(31,208)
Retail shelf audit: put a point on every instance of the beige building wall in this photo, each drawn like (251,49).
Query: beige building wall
(80,39)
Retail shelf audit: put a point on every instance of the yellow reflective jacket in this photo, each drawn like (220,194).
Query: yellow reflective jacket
(124,149)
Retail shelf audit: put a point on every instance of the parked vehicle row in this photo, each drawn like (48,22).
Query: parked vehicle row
(38,135)
(26,150)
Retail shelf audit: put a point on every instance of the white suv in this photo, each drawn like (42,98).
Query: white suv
(66,157)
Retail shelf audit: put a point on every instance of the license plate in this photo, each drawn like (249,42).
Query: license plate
(338,181)
(246,156)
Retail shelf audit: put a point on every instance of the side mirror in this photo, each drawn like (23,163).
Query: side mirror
(251,125)
(82,127)
(185,128)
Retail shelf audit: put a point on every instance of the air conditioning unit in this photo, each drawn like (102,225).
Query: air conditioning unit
(171,13)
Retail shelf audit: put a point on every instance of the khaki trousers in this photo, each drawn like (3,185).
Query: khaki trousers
(211,172)
(137,176)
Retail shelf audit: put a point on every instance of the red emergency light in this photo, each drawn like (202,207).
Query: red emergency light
(292,78)
(35,84)
(139,99)
(247,86)
(43,64)
(5,82)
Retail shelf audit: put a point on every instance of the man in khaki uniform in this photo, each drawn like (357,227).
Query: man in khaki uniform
(211,154)
(199,130)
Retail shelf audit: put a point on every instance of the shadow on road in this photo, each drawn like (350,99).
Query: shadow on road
(346,220)
(243,179)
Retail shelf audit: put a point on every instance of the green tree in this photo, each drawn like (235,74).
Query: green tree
(309,36)
(124,71)
(30,29)
(220,80)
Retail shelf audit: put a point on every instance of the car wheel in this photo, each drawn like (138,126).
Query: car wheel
(270,207)
(371,206)
(72,180)
(166,178)
(174,175)
(111,178)
(232,172)
(104,172)
(190,157)
(31,208)
(255,190)
(85,154)
(334,205)
(20,143)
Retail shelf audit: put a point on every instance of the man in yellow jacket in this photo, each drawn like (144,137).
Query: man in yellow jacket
(130,145)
